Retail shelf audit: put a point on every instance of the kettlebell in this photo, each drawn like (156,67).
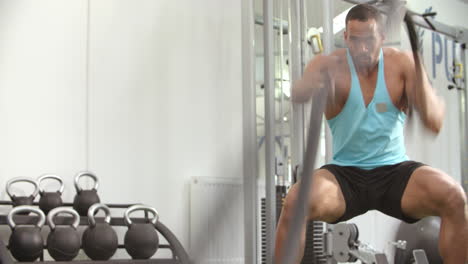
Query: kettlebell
(85,198)
(63,242)
(141,239)
(22,200)
(99,239)
(50,200)
(26,243)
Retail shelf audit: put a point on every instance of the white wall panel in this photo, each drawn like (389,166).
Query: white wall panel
(165,100)
(42,95)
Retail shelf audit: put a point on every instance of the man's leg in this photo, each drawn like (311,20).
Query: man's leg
(326,203)
(432,192)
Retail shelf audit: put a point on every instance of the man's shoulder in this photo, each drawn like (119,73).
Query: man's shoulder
(395,54)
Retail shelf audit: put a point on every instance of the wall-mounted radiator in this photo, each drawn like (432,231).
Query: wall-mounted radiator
(216,220)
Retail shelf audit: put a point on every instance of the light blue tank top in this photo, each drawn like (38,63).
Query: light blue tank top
(368,137)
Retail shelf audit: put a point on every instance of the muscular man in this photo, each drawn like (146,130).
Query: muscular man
(373,88)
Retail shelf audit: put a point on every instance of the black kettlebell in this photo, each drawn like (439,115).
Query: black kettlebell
(141,240)
(22,200)
(99,239)
(26,243)
(63,242)
(50,200)
(85,198)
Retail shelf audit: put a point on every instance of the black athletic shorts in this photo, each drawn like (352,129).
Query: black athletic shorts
(377,189)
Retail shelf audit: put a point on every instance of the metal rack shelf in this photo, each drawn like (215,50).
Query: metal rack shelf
(179,255)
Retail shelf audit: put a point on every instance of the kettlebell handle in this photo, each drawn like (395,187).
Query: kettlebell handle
(50,176)
(26,208)
(92,211)
(22,179)
(67,210)
(140,207)
(89,174)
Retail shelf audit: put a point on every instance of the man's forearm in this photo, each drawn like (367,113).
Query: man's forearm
(431,107)
(431,110)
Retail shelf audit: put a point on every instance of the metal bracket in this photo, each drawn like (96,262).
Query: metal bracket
(420,257)
(345,246)
(461,35)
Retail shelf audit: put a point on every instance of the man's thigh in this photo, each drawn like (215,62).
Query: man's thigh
(330,195)
(426,192)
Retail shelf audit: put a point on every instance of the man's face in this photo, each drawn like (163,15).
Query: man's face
(364,40)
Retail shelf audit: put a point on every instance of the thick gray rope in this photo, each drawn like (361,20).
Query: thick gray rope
(299,211)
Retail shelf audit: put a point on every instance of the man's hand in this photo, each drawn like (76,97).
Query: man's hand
(319,74)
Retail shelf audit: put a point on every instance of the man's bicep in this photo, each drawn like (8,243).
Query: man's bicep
(302,89)
(409,76)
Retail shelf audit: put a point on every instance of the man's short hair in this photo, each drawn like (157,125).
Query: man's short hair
(364,12)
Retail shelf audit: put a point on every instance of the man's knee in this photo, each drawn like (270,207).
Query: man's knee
(321,205)
(315,209)
(326,210)
(454,202)
(320,208)
(290,202)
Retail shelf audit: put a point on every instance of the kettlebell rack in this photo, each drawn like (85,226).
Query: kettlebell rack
(179,255)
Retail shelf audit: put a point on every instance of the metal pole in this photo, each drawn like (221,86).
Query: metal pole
(249,133)
(295,60)
(303,26)
(277,24)
(269,130)
(328,46)
(281,174)
(328,36)
(464,122)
